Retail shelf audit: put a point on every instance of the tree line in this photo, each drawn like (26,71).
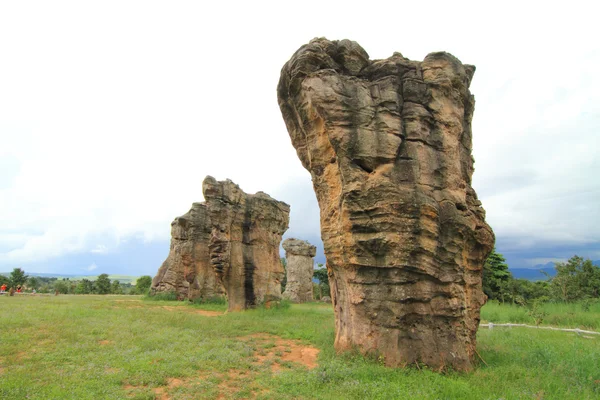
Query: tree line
(102,285)
(575,280)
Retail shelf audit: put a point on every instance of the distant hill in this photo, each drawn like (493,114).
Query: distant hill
(537,273)
(120,278)
(532,274)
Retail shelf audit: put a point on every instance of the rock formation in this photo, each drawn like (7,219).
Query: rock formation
(187,269)
(244,242)
(388,146)
(300,266)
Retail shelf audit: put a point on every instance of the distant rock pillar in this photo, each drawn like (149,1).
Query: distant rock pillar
(187,271)
(300,266)
(244,242)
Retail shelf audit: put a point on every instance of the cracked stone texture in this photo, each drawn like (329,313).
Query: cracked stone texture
(388,146)
(244,242)
(300,266)
(187,269)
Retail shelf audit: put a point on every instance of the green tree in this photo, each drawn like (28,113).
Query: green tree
(103,284)
(322,276)
(115,287)
(62,286)
(33,282)
(84,286)
(143,283)
(576,279)
(497,277)
(4,279)
(18,277)
(590,279)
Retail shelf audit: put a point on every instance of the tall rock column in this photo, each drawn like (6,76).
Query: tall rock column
(300,267)
(187,269)
(244,243)
(388,146)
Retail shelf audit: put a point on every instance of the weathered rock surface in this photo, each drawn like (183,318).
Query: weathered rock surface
(388,146)
(300,266)
(187,269)
(244,242)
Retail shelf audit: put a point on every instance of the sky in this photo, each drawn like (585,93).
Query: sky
(113,112)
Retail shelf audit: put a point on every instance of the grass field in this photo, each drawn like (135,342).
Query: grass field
(571,315)
(120,347)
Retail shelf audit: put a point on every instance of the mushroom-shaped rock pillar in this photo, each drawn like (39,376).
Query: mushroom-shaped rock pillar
(300,267)
(388,146)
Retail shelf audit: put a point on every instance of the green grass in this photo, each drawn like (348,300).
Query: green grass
(571,315)
(98,347)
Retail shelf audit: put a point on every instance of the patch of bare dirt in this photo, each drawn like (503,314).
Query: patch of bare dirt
(269,350)
(104,342)
(205,313)
(277,351)
(230,383)
(172,308)
(22,355)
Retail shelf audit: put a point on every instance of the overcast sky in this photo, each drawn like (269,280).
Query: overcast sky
(113,112)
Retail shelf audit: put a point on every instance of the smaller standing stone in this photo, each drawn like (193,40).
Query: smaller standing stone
(300,266)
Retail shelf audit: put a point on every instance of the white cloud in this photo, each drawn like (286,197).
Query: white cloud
(114,112)
(99,249)
(92,267)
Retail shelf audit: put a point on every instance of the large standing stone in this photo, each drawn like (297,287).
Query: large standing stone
(388,146)
(300,267)
(244,243)
(187,269)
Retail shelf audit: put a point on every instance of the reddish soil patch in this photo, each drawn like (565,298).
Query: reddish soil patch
(171,308)
(276,351)
(127,386)
(269,350)
(22,355)
(194,311)
(104,342)
(231,383)
(208,313)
